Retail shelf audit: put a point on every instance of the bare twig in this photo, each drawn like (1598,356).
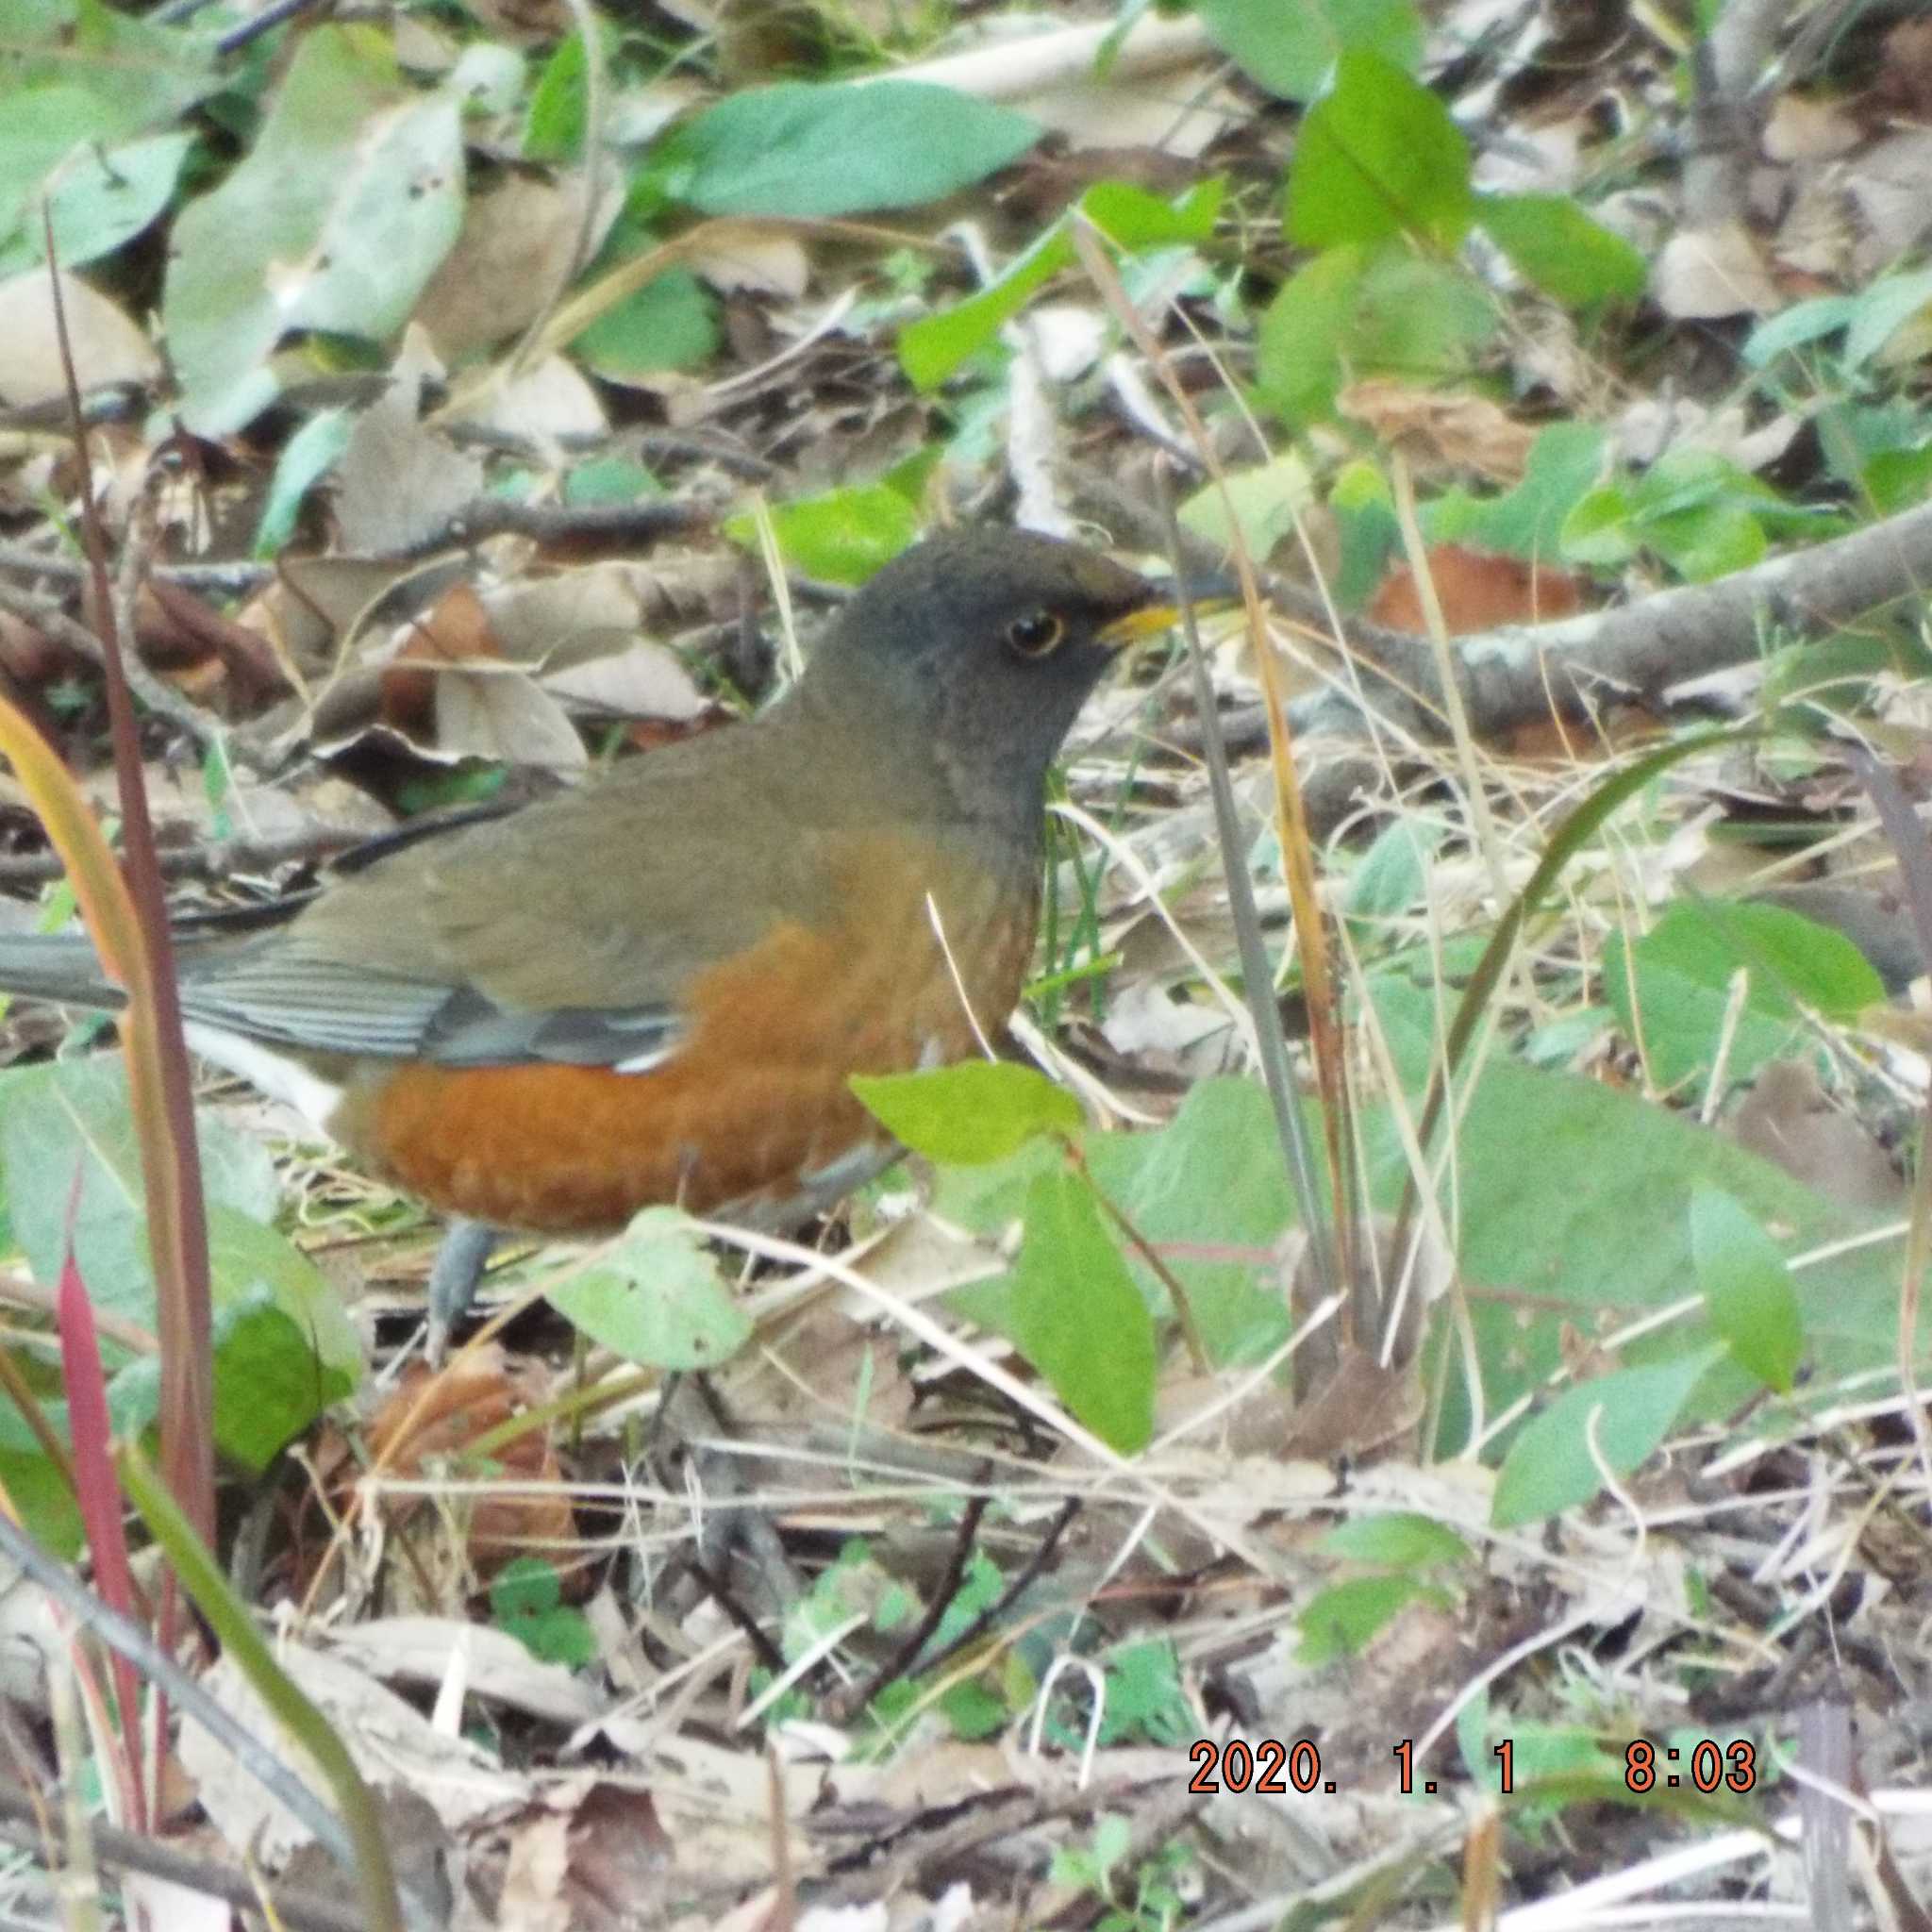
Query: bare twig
(853,1698)
(216,858)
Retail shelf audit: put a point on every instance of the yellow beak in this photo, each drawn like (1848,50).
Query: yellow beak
(1207,596)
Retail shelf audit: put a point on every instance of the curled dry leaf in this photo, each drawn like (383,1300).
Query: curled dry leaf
(586,1861)
(392,1743)
(1157,88)
(1890,187)
(1799,129)
(464,1402)
(553,401)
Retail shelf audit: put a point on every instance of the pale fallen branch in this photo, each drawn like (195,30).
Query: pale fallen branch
(1514,675)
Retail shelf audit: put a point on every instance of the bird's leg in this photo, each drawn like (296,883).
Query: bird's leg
(454,1275)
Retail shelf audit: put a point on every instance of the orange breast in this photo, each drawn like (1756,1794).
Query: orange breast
(754,1099)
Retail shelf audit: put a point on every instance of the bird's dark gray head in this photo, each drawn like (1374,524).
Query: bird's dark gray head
(977,648)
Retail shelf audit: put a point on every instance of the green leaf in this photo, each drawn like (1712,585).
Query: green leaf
(1131,218)
(659,1300)
(844,536)
(1552,242)
(1079,1319)
(838,149)
(554,122)
(526,1601)
(285,1348)
(524,1586)
(1882,310)
(1391,875)
(38,131)
(99,198)
(1343,1619)
(307,457)
(1211,1177)
(671,322)
(1404,1540)
(1672,989)
(1897,478)
(1288,47)
(971,1114)
(1352,312)
(1298,354)
(1378,156)
(1267,499)
(1747,1288)
(1801,324)
(1146,1700)
(336,219)
(1617,1419)
(1566,461)
(135,74)
(1552,1172)
(1601,528)
(1709,542)
(274,1373)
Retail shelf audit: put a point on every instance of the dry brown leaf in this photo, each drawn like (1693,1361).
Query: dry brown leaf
(399,481)
(588,1862)
(495,1665)
(1477,592)
(1904,83)
(1359,1408)
(108,345)
(524,22)
(1890,187)
(554,400)
(1788,1118)
(472,1396)
(509,259)
(1704,273)
(391,1742)
(1468,432)
(1801,129)
(503,714)
(766,258)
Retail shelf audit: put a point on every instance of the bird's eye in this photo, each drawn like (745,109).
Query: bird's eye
(1035,633)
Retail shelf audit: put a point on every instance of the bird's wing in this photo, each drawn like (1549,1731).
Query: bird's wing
(569,932)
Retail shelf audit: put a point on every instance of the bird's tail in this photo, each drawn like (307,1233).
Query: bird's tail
(56,967)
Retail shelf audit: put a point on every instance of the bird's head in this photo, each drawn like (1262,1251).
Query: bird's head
(975,650)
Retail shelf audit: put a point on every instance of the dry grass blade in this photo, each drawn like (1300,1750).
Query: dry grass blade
(1332,1267)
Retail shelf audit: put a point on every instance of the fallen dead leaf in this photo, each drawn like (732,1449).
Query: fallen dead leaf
(1704,273)
(1477,592)
(587,1863)
(1468,432)
(765,258)
(392,1743)
(509,259)
(108,345)
(1788,1118)
(474,1395)
(495,1665)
